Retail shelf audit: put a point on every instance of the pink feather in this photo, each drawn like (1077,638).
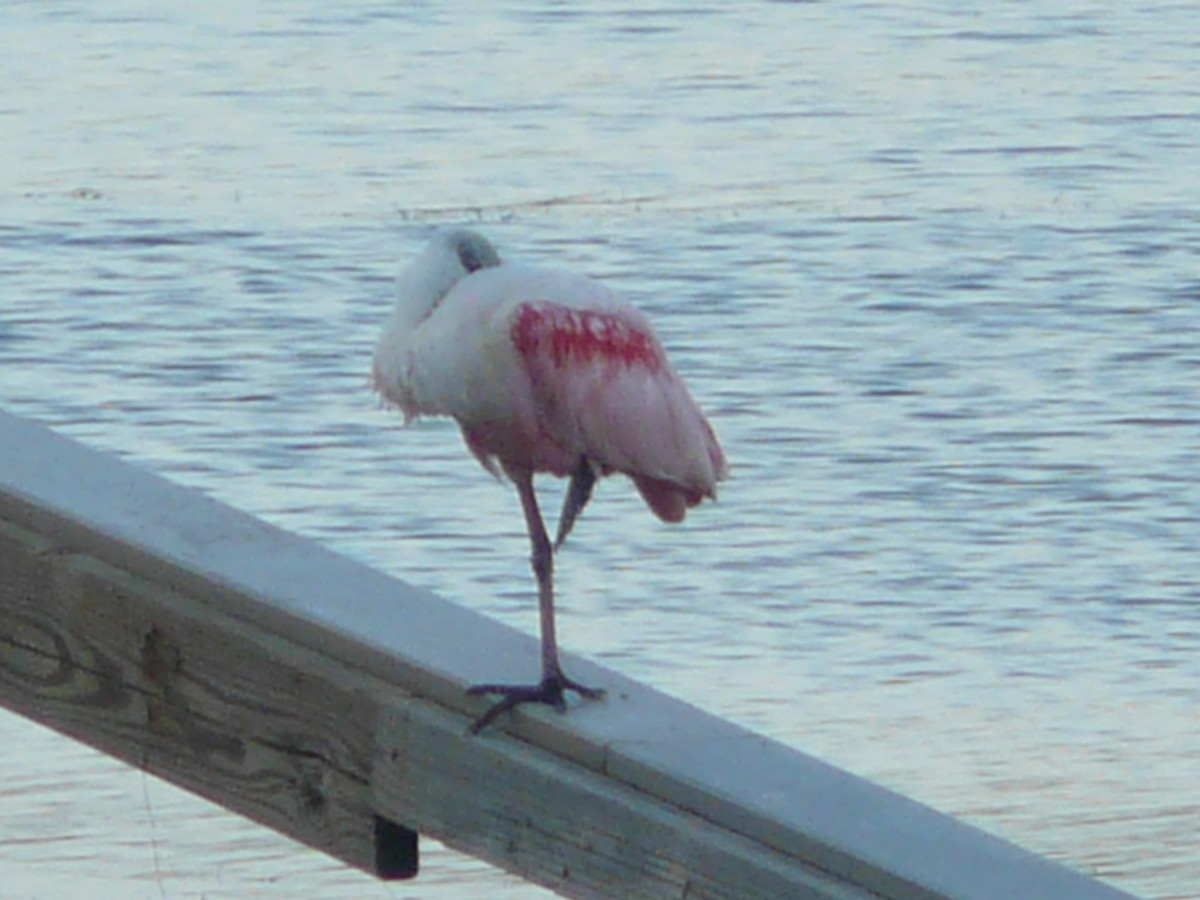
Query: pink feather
(541,367)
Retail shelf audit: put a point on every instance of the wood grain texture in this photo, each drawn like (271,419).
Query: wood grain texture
(327,701)
(569,828)
(265,728)
(325,754)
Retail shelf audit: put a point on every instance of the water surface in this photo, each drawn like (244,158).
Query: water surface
(934,274)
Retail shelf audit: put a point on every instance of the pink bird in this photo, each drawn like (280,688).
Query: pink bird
(545,371)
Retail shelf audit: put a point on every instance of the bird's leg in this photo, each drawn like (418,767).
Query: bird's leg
(554,683)
(579,492)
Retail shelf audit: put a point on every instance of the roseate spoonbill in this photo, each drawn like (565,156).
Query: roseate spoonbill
(545,371)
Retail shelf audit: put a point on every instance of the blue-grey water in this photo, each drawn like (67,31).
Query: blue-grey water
(934,273)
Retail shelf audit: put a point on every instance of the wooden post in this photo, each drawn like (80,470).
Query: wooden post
(326,700)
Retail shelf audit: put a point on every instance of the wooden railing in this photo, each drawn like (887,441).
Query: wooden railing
(326,700)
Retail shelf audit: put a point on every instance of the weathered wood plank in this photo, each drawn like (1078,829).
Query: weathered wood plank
(326,700)
(306,746)
(274,732)
(569,828)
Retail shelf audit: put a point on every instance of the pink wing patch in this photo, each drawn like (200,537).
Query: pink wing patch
(603,389)
(571,336)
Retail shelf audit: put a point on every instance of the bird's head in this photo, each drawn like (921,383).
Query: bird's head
(472,250)
(451,255)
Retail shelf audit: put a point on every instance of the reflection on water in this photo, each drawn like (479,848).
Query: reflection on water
(933,274)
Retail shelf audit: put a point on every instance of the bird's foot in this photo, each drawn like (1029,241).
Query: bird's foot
(551,691)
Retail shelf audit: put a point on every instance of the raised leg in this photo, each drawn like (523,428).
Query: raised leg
(579,492)
(554,683)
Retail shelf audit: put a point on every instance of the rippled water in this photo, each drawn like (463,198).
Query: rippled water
(935,275)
